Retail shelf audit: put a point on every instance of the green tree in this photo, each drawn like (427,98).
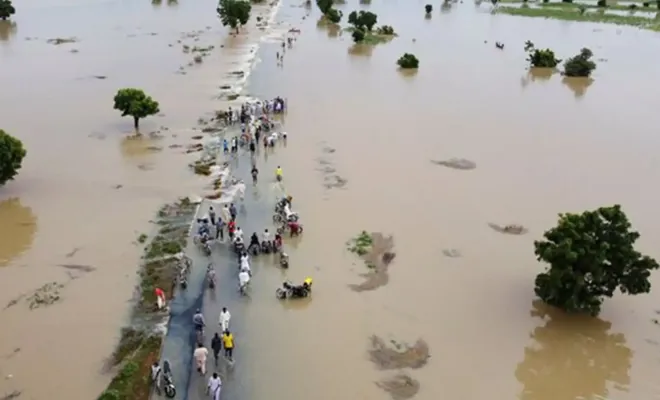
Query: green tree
(539,58)
(333,15)
(363,20)
(6,9)
(12,153)
(324,5)
(408,61)
(428,8)
(590,256)
(234,13)
(358,35)
(136,103)
(580,65)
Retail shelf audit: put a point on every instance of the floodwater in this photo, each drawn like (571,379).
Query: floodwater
(541,146)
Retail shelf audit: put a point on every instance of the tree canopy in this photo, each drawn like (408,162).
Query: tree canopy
(363,20)
(324,5)
(408,61)
(580,65)
(358,35)
(6,9)
(539,58)
(136,103)
(428,8)
(12,153)
(590,256)
(234,13)
(333,15)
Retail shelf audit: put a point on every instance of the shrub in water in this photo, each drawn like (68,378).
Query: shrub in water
(408,61)
(580,65)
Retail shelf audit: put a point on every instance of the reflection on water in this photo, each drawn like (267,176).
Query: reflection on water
(537,75)
(138,146)
(578,86)
(361,49)
(573,357)
(17,228)
(7,30)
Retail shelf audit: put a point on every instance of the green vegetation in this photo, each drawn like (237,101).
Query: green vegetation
(142,238)
(162,246)
(6,9)
(329,14)
(540,58)
(334,16)
(136,103)
(133,382)
(324,5)
(202,167)
(408,61)
(600,4)
(590,256)
(385,30)
(428,8)
(361,244)
(364,20)
(580,65)
(234,13)
(358,35)
(579,13)
(12,153)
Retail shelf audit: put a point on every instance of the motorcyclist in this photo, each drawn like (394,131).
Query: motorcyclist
(203,229)
(245,264)
(243,280)
(210,274)
(254,241)
(238,234)
(267,237)
(294,228)
(198,320)
(255,172)
(278,173)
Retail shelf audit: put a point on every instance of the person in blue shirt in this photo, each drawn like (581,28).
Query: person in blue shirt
(225,146)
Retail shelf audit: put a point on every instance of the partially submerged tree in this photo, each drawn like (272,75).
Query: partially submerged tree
(580,65)
(234,13)
(333,15)
(6,9)
(428,8)
(324,5)
(358,35)
(12,153)
(385,30)
(363,20)
(539,58)
(136,103)
(408,61)
(591,255)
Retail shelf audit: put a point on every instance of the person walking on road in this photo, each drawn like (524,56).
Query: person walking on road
(214,387)
(212,215)
(216,346)
(225,316)
(200,355)
(220,229)
(225,214)
(228,342)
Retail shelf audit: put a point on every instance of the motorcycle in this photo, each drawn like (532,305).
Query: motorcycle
(168,380)
(254,176)
(284,260)
(291,291)
(287,227)
(239,247)
(210,276)
(206,246)
(254,249)
(266,247)
(280,217)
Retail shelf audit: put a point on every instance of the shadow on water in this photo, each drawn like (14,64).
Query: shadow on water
(573,357)
(578,86)
(361,50)
(7,30)
(17,229)
(535,75)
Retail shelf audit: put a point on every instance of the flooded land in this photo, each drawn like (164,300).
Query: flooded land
(450,171)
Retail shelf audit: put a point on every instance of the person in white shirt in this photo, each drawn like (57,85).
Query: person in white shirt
(245,265)
(287,212)
(225,316)
(245,259)
(214,387)
(267,236)
(239,233)
(200,355)
(243,280)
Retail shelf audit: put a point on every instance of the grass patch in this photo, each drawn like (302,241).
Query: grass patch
(361,244)
(613,6)
(142,238)
(162,246)
(373,37)
(157,274)
(132,382)
(203,167)
(574,14)
(130,340)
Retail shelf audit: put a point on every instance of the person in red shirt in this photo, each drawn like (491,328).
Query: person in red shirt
(231,228)
(160,298)
(294,227)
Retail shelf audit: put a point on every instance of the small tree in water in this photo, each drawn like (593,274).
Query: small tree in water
(363,20)
(358,35)
(234,13)
(408,61)
(12,153)
(540,58)
(333,15)
(324,5)
(136,103)
(590,256)
(580,65)
(428,8)
(6,9)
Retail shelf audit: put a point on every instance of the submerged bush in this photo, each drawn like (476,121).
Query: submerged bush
(358,35)
(385,30)
(408,61)
(333,15)
(428,8)
(580,65)
(539,58)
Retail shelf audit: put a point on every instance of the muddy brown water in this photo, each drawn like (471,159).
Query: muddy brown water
(539,147)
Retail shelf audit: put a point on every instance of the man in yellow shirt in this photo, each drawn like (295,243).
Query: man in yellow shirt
(278,173)
(228,342)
